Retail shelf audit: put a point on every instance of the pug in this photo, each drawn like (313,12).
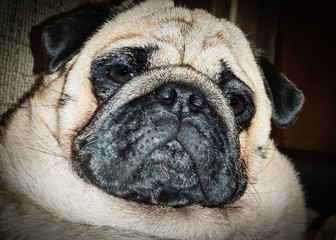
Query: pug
(152,122)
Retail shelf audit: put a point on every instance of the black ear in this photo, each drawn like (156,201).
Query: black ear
(287,99)
(63,39)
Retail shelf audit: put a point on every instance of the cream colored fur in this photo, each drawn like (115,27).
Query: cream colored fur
(42,196)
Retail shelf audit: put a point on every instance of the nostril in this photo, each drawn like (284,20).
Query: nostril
(181,98)
(196,102)
(166,95)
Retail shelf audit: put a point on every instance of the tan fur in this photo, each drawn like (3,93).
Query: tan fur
(41,195)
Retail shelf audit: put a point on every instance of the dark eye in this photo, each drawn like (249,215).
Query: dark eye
(120,74)
(236,103)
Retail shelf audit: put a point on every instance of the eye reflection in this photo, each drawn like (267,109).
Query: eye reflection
(120,74)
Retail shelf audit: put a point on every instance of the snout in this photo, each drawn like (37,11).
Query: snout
(167,147)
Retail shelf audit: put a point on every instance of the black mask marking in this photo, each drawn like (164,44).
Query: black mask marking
(235,88)
(168,147)
(133,60)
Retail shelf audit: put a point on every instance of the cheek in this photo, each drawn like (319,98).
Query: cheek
(77,110)
(260,128)
(256,136)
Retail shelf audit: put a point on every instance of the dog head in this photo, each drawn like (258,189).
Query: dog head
(164,105)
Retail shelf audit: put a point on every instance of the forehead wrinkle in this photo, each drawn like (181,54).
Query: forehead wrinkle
(223,41)
(232,43)
(205,48)
(171,32)
(232,61)
(125,26)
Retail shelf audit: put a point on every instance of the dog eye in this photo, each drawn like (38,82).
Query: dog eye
(236,103)
(120,74)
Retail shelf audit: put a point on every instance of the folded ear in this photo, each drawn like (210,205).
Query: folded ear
(286,98)
(64,38)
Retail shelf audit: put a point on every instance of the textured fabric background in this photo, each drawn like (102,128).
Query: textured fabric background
(17,18)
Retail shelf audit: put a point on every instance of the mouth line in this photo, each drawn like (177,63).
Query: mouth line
(142,160)
(196,170)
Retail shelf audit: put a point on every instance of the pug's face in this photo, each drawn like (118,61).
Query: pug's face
(168,106)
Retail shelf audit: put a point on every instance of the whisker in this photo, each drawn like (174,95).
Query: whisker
(45,152)
(41,105)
